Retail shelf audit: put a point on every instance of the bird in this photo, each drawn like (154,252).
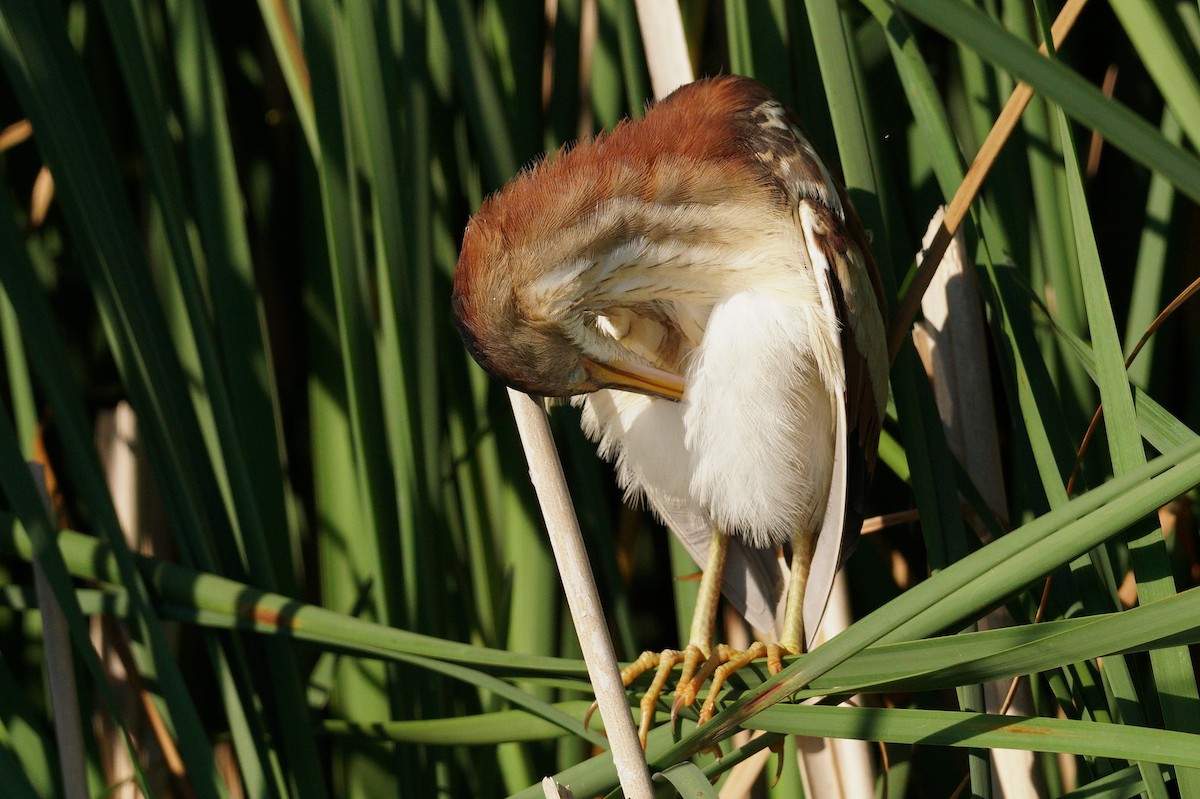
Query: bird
(698,282)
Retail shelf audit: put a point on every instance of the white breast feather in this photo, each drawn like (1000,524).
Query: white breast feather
(758,417)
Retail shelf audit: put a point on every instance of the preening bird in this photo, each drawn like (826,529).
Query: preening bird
(699,281)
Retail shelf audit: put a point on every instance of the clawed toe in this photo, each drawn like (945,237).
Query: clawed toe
(662,662)
(697,668)
(732,660)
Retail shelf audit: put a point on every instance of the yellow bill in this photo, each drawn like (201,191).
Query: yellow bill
(636,377)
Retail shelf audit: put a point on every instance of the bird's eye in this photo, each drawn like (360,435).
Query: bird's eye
(578,376)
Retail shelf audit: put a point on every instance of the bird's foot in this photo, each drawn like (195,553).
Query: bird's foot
(697,669)
(661,663)
(691,657)
(724,661)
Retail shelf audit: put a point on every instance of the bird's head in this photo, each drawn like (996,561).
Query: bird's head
(597,267)
(546,346)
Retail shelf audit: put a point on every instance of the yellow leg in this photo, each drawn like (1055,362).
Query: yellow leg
(704,621)
(726,661)
(704,624)
(792,639)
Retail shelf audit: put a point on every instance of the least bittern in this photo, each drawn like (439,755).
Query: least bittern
(699,279)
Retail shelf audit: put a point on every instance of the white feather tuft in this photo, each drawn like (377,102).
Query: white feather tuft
(657,468)
(644,439)
(759,418)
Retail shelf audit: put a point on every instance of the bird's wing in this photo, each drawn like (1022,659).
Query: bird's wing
(847,282)
(835,537)
(840,255)
(754,579)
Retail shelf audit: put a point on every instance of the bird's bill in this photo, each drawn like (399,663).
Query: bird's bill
(636,377)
